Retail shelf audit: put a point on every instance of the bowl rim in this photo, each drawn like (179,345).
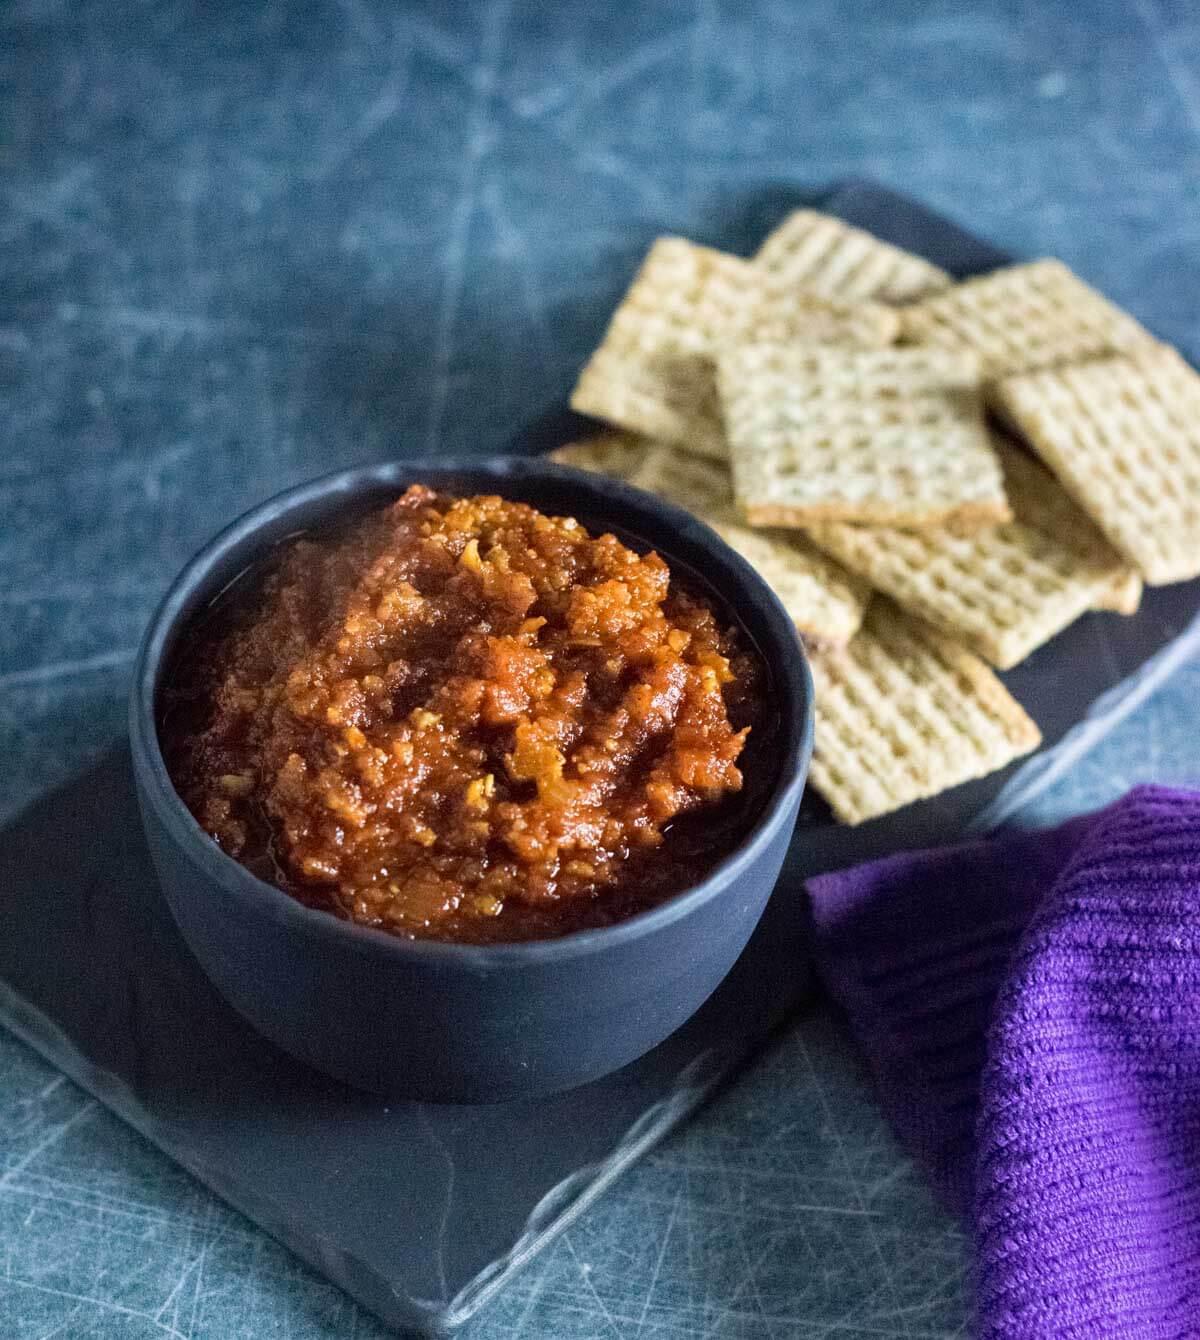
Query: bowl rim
(790,672)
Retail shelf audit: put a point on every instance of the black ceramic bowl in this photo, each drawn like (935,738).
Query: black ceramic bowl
(467,1023)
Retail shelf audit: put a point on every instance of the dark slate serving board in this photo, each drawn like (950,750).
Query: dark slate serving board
(423,1212)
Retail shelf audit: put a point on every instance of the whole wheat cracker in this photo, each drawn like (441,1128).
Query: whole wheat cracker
(703,487)
(1123,436)
(1024,318)
(1040,501)
(695,483)
(614,454)
(662,393)
(903,713)
(884,437)
(837,260)
(785,314)
(825,602)
(1124,596)
(653,371)
(1003,591)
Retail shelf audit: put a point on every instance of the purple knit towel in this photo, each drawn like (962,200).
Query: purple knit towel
(1030,1005)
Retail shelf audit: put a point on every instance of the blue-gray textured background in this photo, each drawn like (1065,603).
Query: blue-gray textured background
(243,244)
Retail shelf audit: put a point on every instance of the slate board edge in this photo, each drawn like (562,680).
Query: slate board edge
(33,1028)
(564,1203)
(1102,717)
(552,1215)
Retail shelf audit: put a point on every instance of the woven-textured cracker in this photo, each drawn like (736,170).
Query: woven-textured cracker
(837,260)
(614,454)
(1003,591)
(882,437)
(1122,434)
(653,372)
(1023,318)
(825,601)
(903,713)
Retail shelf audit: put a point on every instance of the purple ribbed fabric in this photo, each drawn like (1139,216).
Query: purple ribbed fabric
(1030,1006)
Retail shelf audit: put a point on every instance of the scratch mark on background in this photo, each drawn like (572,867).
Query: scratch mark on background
(530,1303)
(594,90)
(105,1202)
(105,1304)
(585,1274)
(606,161)
(889,1178)
(56,1083)
(459,233)
(68,1320)
(384,106)
(43,674)
(700,45)
(662,1251)
(93,1210)
(448,1202)
(937,1294)
(433,41)
(52,204)
(748,1283)
(363,21)
(48,1141)
(832,1125)
(176,1289)
(1179,74)
(611,164)
(512,243)
(176,323)
(207,1238)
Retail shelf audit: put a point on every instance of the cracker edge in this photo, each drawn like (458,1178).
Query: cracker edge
(939,278)
(968,516)
(1024,732)
(1124,595)
(999,401)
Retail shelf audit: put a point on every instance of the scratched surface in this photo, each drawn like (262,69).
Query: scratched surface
(243,244)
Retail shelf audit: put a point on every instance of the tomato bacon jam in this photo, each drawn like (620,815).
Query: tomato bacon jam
(461,719)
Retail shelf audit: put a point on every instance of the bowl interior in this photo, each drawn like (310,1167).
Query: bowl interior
(600,504)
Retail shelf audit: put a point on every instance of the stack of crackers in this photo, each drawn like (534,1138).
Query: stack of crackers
(934,477)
